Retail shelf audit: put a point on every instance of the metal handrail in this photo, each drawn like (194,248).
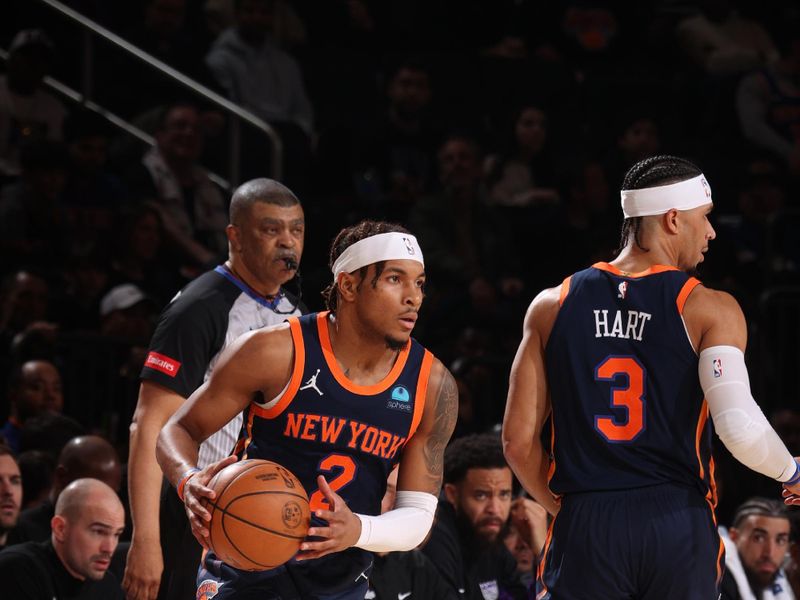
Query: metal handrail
(119,122)
(276,167)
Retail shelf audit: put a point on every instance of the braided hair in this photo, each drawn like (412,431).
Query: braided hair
(346,238)
(652,172)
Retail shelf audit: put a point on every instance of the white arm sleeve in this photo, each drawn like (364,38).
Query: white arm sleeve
(739,422)
(402,528)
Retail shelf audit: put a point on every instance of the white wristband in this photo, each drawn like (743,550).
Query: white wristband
(403,528)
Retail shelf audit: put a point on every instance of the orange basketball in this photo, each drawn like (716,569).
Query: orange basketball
(260,515)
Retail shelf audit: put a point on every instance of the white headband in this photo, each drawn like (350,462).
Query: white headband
(376,248)
(684,195)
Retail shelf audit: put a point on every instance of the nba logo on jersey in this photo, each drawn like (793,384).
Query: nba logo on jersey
(401,399)
(623,290)
(717,367)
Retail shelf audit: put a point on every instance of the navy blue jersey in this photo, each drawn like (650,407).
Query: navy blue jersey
(324,424)
(628,409)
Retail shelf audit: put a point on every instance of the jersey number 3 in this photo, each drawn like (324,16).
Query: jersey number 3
(630,397)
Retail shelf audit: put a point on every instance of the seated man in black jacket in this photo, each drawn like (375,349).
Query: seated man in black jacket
(404,574)
(73,564)
(465,543)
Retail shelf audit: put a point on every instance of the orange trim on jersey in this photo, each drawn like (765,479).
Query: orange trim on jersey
(294,381)
(422,392)
(698,434)
(341,378)
(564,290)
(683,296)
(604,266)
(552,468)
(540,567)
(711,494)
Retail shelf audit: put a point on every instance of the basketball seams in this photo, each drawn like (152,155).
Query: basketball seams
(214,503)
(230,533)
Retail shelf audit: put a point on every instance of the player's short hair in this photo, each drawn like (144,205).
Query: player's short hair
(346,238)
(259,190)
(657,170)
(760,507)
(474,451)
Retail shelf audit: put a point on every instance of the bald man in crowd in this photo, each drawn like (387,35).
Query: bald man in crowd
(83,456)
(73,563)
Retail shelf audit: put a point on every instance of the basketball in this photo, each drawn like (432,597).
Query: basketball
(260,515)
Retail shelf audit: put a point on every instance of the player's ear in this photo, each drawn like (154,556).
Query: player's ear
(451,493)
(347,286)
(670,220)
(232,231)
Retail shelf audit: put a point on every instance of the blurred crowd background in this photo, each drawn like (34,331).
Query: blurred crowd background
(498,131)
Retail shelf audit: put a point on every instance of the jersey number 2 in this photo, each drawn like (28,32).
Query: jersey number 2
(629,397)
(346,472)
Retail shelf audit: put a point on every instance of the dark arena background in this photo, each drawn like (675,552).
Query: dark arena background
(497,131)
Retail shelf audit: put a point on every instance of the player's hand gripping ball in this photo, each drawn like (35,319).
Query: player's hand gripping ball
(260,515)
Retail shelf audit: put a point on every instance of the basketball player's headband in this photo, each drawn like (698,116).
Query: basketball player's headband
(684,195)
(376,248)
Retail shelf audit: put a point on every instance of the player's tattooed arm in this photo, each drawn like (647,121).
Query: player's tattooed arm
(446,413)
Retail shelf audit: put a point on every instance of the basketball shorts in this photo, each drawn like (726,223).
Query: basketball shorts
(645,544)
(332,577)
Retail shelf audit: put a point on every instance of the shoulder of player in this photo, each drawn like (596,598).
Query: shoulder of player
(542,311)
(268,342)
(715,305)
(442,387)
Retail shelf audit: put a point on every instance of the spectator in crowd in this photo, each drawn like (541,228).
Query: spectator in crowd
(404,574)
(466,541)
(192,207)
(255,72)
(34,390)
(36,468)
(793,568)
(720,41)
(86,278)
(10,493)
(522,174)
(395,157)
(636,138)
(138,254)
(26,110)
(766,103)
(92,194)
(160,28)
(466,245)
(74,562)
(83,456)
(127,313)
(525,536)
(755,551)
(49,433)
(33,221)
(258,75)
(25,302)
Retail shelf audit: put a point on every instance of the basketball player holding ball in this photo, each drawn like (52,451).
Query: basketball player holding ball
(338,398)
